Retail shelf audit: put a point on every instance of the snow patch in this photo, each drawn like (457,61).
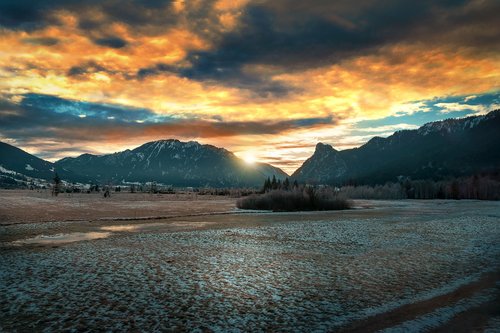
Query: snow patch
(3,170)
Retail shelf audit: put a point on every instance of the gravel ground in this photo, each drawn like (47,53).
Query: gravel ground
(256,272)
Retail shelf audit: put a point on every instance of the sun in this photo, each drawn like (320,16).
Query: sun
(249,159)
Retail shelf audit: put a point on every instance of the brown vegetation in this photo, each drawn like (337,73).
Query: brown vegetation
(25,206)
(304,199)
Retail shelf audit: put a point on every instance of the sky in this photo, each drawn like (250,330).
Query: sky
(266,80)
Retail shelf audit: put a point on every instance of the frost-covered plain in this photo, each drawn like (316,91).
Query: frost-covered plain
(256,272)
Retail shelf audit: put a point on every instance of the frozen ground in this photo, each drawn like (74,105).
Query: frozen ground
(397,266)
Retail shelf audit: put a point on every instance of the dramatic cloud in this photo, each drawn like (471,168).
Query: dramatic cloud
(37,14)
(265,73)
(44,118)
(292,35)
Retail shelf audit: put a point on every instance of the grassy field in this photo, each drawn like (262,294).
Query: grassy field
(24,206)
(400,265)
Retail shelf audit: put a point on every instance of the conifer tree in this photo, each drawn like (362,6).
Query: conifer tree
(57,185)
(274,183)
(267,185)
(286,184)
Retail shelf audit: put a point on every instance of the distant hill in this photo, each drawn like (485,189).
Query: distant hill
(448,148)
(17,160)
(172,162)
(437,150)
(16,165)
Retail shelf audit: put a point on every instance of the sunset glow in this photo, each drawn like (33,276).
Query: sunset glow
(266,80)
(249,159)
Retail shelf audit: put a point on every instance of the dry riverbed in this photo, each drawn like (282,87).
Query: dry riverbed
(388,265)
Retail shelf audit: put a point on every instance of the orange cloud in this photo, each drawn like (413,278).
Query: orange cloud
(64,60)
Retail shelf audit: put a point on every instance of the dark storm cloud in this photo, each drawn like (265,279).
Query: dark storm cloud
(259,85)
(286,35)
(35,14)
(294,36)
(297,35)
(53,118)
(262,40)
(113,42)
(25,15)
(147,17)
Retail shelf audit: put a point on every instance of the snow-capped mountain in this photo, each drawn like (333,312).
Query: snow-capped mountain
(172,162)
(454,125)
(452,147)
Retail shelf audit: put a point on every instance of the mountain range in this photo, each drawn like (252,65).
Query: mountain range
(172,162)
(19,167)
(437,150)
(169,162)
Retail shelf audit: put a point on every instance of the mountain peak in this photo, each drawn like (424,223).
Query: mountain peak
(323,148)
(173,162)
(172,143)
(436,150)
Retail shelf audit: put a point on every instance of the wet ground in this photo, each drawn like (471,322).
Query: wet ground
(389,265)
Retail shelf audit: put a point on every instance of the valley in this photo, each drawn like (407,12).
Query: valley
(383,265)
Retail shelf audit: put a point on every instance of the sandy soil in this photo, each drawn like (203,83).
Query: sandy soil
(410,266)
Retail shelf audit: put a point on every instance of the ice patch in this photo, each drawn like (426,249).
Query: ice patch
(145,226)
(122,227)
(130,227)
(62,238)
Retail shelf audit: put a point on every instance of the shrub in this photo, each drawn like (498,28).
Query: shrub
(297,200)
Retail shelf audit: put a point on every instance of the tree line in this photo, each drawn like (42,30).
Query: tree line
(478,187)
(277,184)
